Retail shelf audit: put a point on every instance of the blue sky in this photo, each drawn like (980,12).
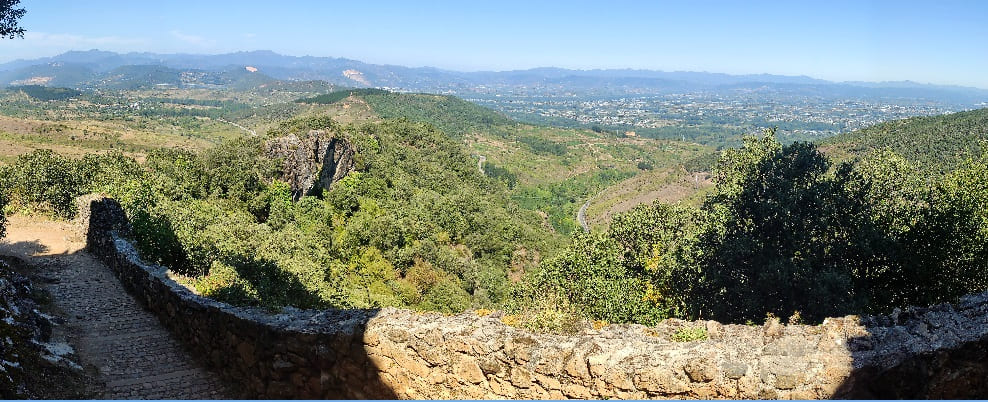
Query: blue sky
(942,42)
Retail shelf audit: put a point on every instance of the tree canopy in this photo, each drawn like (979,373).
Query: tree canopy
(786,233)
(10,15)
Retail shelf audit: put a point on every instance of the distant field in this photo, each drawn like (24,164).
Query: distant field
(137,121)
(670,185)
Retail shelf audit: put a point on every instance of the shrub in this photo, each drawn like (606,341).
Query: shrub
(591,275)
(47,182)
(688,334)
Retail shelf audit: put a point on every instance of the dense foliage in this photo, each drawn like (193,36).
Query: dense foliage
(416,225)
(46,93)
(786,232)
(937,144)
(45,180)
(559,200)
(9,18)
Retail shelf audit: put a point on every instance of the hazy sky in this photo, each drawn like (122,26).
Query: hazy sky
(935,41)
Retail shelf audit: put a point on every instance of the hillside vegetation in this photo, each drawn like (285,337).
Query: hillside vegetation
(135,122)
(453,206)
(936,144)
(789,233)
(547,169)
(416,225)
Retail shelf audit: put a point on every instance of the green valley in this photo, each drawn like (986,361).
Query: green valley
(440,204)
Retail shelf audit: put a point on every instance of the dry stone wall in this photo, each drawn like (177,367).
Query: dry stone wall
(936,352)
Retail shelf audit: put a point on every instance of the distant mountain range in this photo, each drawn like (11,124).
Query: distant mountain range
(102,69)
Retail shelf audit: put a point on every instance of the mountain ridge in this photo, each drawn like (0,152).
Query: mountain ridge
(435,79)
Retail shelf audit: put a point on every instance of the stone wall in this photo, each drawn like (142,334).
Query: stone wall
(937,352)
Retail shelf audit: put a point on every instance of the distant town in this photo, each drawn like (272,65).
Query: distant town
(804,117)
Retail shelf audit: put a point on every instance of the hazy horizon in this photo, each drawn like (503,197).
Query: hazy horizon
(939,44)
(500,71)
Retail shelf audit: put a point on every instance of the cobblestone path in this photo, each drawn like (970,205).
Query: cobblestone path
(135,355)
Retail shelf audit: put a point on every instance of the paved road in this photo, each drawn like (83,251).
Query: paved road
(581,216)
(135,355)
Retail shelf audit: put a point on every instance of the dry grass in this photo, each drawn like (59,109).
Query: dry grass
(669,185)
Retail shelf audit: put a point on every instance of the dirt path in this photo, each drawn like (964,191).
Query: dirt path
(136,357)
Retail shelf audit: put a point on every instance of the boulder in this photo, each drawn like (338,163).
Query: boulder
(312,161)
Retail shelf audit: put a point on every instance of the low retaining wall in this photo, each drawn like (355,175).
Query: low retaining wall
(391,353)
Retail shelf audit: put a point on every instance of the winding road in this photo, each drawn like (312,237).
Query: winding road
(480,164)
(247,130)
(581,216)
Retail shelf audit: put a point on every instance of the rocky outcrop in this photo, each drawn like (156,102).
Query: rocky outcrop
(936,352)
(33,363)
(312,161)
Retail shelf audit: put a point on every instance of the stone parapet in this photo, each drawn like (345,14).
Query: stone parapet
(936,352)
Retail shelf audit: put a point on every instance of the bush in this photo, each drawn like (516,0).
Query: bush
(687,334)
(108,172)
(786,231)
(591,276)
(47,182)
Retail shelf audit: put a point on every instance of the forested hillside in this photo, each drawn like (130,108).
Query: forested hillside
(936,144)
(787,232)
(415,225)
(453,116)
(547,169)
(452,206)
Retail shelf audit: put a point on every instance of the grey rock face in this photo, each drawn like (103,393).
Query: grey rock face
(313,161)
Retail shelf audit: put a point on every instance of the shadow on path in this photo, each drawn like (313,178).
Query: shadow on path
(135,356)
(309,354)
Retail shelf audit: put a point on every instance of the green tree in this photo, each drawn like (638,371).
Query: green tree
(947,254)
(9,17)
(791,235)
(591,275)
(46,181)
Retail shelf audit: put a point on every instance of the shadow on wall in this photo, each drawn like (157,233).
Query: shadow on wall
(935,352)
(295,354)
(940,352)
(241,280)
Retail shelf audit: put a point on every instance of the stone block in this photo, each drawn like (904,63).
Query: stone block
(701,370)
(246,352)
(660,381)
(468,371)
(734,369)
(521,377)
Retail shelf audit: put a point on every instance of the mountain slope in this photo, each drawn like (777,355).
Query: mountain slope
(936,143)
(548,169)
